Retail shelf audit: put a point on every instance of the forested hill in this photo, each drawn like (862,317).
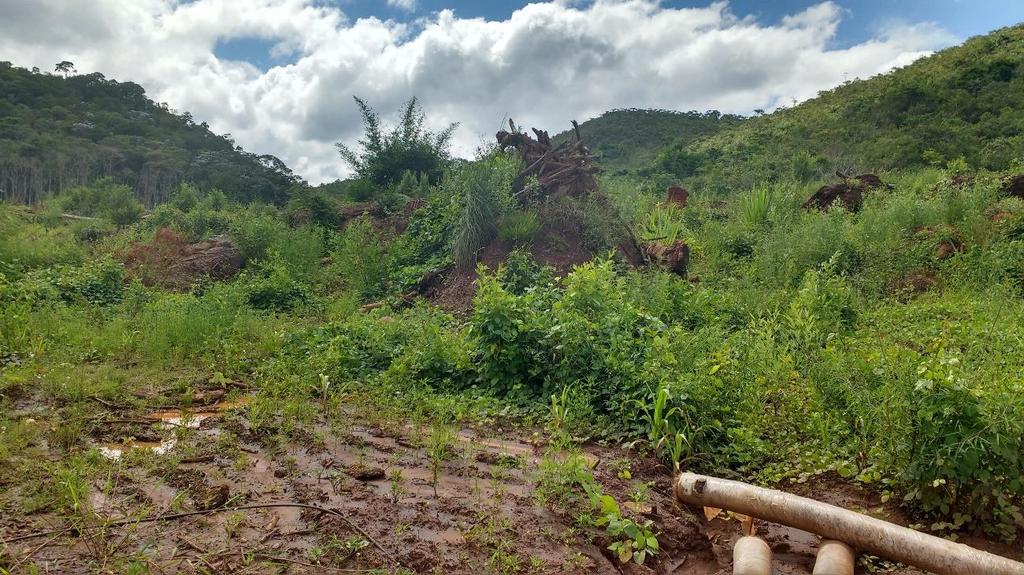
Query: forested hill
(963,101)
(58,132)
(626,139)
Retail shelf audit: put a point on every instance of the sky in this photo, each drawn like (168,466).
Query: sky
(279,75)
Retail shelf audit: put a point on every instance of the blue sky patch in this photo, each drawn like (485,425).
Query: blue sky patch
(256,51)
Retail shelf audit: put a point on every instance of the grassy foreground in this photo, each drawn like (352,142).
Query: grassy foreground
(885,347)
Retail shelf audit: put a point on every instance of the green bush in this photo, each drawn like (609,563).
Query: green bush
(518,227)
(101,282)
(272,287)
(386,156)
(359,259)
(26,244)
(482,190)
(103,198)
(521,272)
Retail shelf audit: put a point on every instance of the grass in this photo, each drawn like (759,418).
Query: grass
(794,354)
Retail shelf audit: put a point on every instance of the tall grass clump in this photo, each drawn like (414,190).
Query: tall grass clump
(518,227)
(663,224)
(755,205)
(483,188)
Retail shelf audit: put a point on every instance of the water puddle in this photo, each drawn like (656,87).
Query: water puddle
(169,420)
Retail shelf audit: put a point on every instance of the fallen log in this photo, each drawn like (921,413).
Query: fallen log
(862,532)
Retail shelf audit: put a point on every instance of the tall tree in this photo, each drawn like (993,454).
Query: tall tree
(64,67)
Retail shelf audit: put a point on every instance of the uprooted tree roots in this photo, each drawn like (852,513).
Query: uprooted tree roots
(568,168)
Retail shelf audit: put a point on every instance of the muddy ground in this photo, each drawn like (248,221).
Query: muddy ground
(371,502)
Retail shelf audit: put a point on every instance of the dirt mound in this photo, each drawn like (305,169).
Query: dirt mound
(172,263)
(1013,186)
(913,283)
(946,239)
(677,195)
(674,257)
(850,192)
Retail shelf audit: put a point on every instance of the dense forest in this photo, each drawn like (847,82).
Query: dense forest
(60,131)
(498,364)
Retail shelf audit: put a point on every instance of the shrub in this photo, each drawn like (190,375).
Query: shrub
(521,272)
(26,244)
(272,288)
(386,157)
(518,227)
(255,230)
(359,259)
(103,198)
(482,190)
(101,282)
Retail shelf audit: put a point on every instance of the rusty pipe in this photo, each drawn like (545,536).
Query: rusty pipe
(864,533)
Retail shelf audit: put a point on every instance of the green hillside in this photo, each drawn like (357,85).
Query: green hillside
(57,132)
(628,139)
(436,347)
(963,101)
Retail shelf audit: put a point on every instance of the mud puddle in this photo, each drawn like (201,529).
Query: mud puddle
(167,421)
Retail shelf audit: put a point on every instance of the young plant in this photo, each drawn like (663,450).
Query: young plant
(636,541)
(664,224)
(657,414)
(396,478)
(518,227)
(560,410)
(755,205)
(442,437)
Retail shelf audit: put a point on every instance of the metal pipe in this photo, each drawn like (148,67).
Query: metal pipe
(834,558)
(860,531)
(751,556)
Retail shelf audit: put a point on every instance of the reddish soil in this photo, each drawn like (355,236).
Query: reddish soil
(378,487)
(849,192)
(1013,186)
(560,249)
(169,261)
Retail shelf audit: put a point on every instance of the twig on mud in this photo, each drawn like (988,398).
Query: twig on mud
(35,550)
(117,421)
(123,522)
(106,403)
(320,568)
(199,459)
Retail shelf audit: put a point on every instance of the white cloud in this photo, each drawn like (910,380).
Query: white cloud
(546,64)
(407,5)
